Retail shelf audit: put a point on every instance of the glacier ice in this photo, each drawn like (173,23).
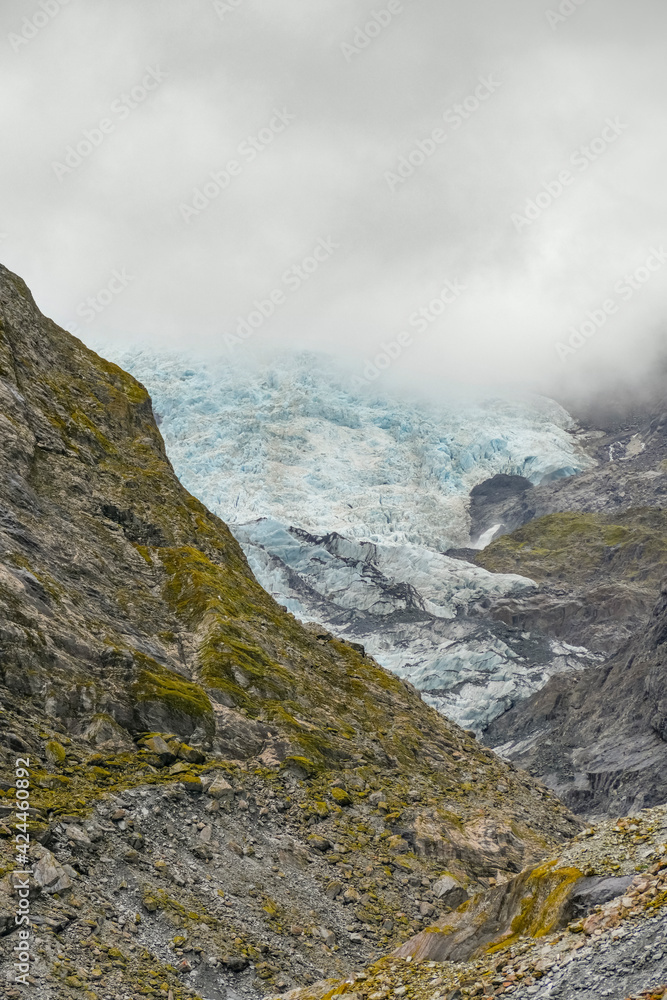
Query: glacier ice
(371,576)
(345,504)
(294,441)
(414,610)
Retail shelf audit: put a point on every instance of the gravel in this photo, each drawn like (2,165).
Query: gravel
(632,965)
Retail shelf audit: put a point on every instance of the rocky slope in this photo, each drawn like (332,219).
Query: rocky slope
(588,922)
(600,738)
(595,542)
(220,797)
(597,546)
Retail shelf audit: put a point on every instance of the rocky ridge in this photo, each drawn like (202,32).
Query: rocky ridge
(600,737)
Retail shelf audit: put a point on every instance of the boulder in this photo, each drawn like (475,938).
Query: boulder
(319,843)
(191,784)
(105,731)
(327,936)
(333,889)
(179,768)
(78,837)
(190,754)
(449,892)
(341,797)
(50,875)
(595,891)
(157,745)
(220,789)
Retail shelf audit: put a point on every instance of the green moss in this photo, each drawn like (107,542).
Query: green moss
(145,554)
(303,764)
(180,702)
(340,796)
(579,547)
(546,891)
(56,753)
(658,901)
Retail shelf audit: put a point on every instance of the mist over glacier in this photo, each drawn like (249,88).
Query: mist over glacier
(346,501)
(292,439)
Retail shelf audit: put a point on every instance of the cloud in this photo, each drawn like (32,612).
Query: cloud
(229,70)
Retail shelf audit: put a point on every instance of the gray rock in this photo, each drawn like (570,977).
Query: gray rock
(449,892)
(78,837)
(105,731)
(327,936)
(50,875)
(220,789)
(157,745)
(595,891)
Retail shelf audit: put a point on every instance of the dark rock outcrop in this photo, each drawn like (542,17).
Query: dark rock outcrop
(502,500)
(598,738)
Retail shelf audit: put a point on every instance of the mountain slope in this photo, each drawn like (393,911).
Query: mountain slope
(600,741)
(596,545)
(128,610)
(589,922)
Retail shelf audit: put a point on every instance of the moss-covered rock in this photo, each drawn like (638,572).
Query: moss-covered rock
(55,753)
(581,547)
(166,700)
(341,797)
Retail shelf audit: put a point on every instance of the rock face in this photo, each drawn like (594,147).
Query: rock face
(597,546)
(502,502)
(599,574)
(600,739)
(595,542)
(202,766)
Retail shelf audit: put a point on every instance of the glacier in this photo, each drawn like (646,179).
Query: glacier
(416,611)
(346,501)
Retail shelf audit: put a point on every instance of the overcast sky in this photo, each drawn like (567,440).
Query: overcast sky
(115,112)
